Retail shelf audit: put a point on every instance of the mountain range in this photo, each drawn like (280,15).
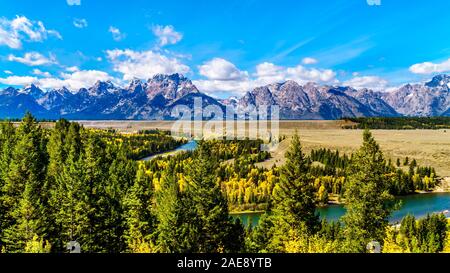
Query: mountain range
(155,99)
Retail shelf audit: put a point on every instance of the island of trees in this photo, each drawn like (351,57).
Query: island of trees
(70,183)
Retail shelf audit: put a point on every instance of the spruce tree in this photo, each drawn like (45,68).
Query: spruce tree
(294,198)
(59,181)
(28,222)
(95,171)
(7,143)
(120,176)
(71,204)
(138,212)
(57,148)
(24,193)
(215,226)
(259,238)
(177,231)
(367,199)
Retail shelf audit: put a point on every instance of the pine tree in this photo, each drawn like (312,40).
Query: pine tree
(57,148)
(64,180)
(211,208)
(294,197)
(177,231)
(398,162)
(95,172)
(368,201)
(260,237)
(140,221)
(71,204)
(24,193)
(120,176)
(7,143)
(28,161)
(28,222)
(413,164)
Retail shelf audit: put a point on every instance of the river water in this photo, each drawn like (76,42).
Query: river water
(418,205)
(189,146)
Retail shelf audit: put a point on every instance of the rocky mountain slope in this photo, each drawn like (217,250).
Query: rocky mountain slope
(429,99)
(157,98)
(312,101)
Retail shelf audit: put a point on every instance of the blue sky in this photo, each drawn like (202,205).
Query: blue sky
(225,47)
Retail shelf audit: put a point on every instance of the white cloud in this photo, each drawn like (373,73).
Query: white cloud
(266,73)
(13,32)
(268,70)
(167,35)
(32,59)
(309,60)
(144,64)
(38,72)
(221,70)
(76,80)
(73,81)
(429,67)
(8,38)
(223,76)
(18,80)
(236,87)
(116,33)
(7,72)
(72,69)
(302,74)
(371,82)
(269,73)
(80,23)
(74,2)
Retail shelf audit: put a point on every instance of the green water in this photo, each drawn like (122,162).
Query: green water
(418,205)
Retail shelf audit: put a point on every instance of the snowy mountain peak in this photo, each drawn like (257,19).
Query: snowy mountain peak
(439,81)
(33,90)
(102,88)
(156,97)
(170,86)
(176,78)
(10,91)
(63,91)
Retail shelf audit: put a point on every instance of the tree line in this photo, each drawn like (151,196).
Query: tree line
(398,123)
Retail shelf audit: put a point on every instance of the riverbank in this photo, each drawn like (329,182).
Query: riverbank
(246,212)
(335,200)
(444,185)
(419,205)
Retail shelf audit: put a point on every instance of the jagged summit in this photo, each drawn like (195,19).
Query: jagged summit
(156,97)
(442,80)
(33,90)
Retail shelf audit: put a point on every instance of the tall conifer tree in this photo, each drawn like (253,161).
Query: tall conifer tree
(367,198)
(294,199)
